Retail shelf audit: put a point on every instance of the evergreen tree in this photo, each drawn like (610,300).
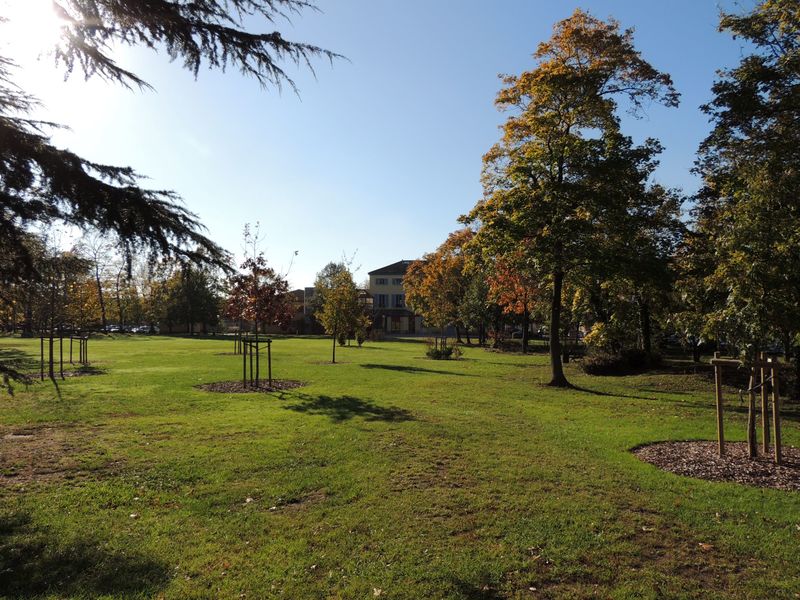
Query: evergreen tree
(41,183)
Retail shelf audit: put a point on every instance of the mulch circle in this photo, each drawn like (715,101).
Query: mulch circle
(237,387)
(701,460)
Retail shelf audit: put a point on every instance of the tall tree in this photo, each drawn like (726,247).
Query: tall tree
(748,209)
(544,181)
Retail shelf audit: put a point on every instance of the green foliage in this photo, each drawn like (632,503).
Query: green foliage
(747,221)
(192,296)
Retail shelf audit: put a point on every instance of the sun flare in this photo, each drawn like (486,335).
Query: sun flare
(31,27)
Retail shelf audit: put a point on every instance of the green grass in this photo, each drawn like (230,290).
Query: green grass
(386,475)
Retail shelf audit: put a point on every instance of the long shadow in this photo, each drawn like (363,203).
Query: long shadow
(344,408)
(578,388)
(732,403)
(407,369)
(33,563)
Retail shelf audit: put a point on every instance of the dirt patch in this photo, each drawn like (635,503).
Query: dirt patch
(237,387)
(46,453)
(700,459)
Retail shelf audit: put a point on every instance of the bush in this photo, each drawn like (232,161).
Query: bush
(342,339)
(623,363)
(440,353)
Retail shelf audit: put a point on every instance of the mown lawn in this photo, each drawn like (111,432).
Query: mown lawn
(388,476)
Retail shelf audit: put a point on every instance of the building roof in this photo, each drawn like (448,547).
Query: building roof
(398,268)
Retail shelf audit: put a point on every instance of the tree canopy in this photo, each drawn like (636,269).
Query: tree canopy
(563,175)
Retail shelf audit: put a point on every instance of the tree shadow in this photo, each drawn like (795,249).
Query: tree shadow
(578,388)
(14,367)
(344,408)
(407,369)
(33,563)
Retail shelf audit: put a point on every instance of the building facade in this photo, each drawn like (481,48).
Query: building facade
(390,313)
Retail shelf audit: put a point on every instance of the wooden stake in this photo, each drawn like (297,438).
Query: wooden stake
(776,415)
(752,445)
(718,397)
(269,361)
(244,367)
(764,406)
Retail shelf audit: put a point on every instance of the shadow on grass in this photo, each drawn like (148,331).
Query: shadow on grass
(407,369)
(33,563)
(344,408)
(578,388)
(14,365)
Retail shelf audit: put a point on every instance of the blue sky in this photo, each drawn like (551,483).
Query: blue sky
(380,154)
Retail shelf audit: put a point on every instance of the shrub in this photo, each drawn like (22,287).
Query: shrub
(622,363)
(342,339)
(440,353)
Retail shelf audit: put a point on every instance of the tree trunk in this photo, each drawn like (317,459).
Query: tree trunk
(526,318)
(644,318)
(556,367)
(466,333)
(458,335)
(333,360)
(119,304)
(796,387)
(100,297)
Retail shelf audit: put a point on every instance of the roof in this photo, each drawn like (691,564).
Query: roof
(398,268)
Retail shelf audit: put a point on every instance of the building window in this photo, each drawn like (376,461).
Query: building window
(397,281)
(398,301)
(381,281)
(380,300)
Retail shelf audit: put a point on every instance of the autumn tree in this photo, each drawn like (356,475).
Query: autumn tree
(259,294)
(340,307)
(514,285)
(435,285)
(550,184)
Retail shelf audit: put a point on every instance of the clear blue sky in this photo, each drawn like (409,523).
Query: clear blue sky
(378,155)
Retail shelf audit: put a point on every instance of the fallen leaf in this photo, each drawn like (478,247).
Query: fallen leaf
(705,547)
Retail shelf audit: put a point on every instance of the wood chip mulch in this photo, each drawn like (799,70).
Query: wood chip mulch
(237,387)
(700,459)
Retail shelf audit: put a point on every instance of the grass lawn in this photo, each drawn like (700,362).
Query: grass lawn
(388,476)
